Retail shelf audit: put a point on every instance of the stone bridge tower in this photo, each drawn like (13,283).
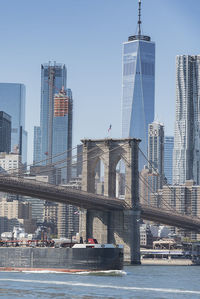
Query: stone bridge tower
(118,227)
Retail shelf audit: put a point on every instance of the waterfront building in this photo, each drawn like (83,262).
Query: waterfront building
(156,150)
(51,216)
(56,119)
(186,154)
(146,237)
(12,101)
(14,213)
(68,215)
(5,132)
(37,145)
(168,158)
(11,164)
(138,87)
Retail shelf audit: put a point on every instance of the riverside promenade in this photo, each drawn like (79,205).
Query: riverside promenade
(166,262)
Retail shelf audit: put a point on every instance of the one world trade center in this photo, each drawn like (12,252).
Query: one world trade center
(138,94)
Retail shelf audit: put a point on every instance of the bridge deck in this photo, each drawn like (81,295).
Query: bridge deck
(91,201)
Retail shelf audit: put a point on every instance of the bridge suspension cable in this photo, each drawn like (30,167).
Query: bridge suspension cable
(164,182)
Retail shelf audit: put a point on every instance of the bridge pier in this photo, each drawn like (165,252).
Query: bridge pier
(117,227)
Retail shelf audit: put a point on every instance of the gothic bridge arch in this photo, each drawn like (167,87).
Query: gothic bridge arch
(112,227)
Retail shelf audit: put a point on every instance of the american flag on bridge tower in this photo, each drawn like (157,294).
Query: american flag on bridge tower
(110,127)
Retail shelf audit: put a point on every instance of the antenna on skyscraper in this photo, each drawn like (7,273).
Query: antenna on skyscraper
(139,18)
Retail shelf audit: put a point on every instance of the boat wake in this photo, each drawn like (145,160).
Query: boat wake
(103,273)
(97,273)
(91,285)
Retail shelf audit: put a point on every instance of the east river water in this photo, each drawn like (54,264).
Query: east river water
(134,282)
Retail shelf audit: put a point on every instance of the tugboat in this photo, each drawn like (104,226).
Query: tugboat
(63,257)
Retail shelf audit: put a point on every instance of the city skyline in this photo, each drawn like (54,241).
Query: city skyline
(91,50)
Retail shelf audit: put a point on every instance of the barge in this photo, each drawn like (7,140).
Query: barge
(75,258)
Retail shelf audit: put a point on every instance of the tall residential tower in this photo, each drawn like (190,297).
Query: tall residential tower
(138,86)
(56,119)
(186,155)
(156,150)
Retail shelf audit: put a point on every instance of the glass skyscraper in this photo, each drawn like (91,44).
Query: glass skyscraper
(12,101)
(138,87)
(56,118)
(186,157)
(168,158)
(37,145)
(53,78)
(5,132)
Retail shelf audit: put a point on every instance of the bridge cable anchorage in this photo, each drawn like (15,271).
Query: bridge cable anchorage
(168,186)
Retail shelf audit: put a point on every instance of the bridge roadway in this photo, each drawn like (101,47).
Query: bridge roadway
(91,201)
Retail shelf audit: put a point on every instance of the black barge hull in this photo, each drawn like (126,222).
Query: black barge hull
(60,259)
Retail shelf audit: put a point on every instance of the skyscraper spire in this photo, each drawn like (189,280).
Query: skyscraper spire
(139,35)
(139,18)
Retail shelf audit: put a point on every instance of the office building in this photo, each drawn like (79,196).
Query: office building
(62,132)
(138,87)
(53,78)
(10,163)
(12,101)
(156,150)
(37,205)
(5,132)
(14,213)
(37,145)
(56,119)
(69,133)
(79,159)
(168,158)
(68,215)
(186,154)
(149,182)
(51,216)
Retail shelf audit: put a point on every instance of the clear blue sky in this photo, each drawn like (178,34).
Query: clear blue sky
(87,36)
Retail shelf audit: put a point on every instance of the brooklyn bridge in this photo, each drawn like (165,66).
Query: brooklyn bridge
(105,217)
